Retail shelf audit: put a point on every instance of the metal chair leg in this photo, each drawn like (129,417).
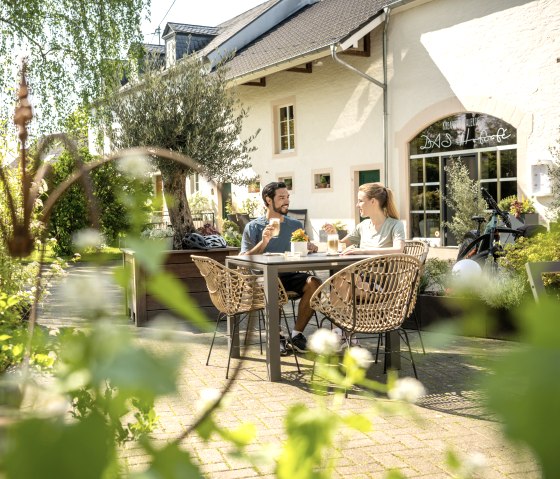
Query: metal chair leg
(214,337)
(236,322)
(419,332)
(410,352)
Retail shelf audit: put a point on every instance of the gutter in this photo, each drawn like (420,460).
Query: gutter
(382,85)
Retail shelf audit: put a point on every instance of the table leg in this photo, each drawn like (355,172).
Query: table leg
(393,350)
(272,323)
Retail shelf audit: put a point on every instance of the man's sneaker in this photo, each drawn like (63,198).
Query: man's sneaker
(299,343)
(283,350)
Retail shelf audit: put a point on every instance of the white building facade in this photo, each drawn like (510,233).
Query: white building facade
(425,82)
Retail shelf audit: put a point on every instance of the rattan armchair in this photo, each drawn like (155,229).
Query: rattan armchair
(420,250)
(236,295)
(371,296)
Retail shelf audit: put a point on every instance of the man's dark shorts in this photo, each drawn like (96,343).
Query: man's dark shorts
(294,281)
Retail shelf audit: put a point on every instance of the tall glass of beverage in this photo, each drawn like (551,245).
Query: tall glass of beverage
(332,244)
(275,223)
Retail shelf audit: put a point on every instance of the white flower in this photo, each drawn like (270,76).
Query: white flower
(362,357)
(88,238)
(54,332)
(136,166)
(87,294)
(475,463)
(407,389)
(208,397)
(324,341)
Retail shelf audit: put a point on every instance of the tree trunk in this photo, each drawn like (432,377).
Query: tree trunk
(178,207)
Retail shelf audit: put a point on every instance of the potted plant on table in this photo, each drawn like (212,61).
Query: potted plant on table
(298,242)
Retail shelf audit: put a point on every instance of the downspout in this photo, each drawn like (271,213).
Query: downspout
(382,85)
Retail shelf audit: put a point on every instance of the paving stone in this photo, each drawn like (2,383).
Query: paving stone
(451,415)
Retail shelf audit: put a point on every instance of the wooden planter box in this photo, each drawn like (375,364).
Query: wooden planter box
(438,309)
(142,307)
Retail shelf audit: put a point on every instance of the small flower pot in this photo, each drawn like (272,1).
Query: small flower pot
(299,246)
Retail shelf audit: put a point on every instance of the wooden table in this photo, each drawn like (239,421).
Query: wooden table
(271,265)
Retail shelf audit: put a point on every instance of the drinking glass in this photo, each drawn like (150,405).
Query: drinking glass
(332,244)
(275,223)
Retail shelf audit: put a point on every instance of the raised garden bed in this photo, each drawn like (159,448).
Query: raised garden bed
(142,307)
(433,309)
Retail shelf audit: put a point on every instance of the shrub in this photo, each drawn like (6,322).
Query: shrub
(199,203)
(543,247)
(70,213)
(434,276)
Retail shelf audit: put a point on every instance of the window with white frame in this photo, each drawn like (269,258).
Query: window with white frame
(286,129)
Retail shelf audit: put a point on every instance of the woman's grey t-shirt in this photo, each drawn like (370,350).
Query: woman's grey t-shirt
(367,237)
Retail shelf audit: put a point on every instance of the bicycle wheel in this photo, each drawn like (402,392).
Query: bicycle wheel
(467,240)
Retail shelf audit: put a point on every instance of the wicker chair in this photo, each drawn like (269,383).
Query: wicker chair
(372,296)
(236,295)
(418,249)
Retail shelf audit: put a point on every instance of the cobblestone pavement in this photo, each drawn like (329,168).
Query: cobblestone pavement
(451,416)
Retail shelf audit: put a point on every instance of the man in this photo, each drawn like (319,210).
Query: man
(258,238)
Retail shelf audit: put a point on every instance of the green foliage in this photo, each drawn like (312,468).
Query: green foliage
(523,390)
(199,203)
(435,276)
(71,213)
(232,236)
(251,206)
(515,206)
(554,175)
(463,197)
(73,49)
(542,247)
(188,111)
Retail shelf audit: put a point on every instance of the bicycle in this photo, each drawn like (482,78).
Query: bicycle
(479,246)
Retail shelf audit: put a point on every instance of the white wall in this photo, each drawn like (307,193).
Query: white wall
(445,57)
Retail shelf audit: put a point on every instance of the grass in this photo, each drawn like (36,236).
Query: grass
(108,253)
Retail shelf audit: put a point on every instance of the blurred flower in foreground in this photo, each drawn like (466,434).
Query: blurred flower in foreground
(88,238)
(136,166)
(361,356)
(324,341)
(208,397)
(87,294)
(475,463)
(407,389)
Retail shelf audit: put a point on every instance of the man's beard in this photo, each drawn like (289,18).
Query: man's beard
(279,210)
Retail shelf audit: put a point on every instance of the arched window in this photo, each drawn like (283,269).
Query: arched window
(487,145)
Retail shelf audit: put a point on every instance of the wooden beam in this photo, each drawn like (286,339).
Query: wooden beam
(308,68)
(260,82)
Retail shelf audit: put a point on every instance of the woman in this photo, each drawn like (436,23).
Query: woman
(383,232)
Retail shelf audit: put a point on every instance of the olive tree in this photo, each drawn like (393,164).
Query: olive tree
(463,197)
(190,111)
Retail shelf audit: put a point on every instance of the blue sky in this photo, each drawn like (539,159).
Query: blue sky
(196,12)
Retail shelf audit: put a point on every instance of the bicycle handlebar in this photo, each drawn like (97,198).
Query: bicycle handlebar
(493,205)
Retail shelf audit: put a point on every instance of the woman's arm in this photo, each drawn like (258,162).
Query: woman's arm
(398,247)
(331,230)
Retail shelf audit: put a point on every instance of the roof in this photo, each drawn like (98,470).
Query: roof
(154,49)
(190,29)
(311,29)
